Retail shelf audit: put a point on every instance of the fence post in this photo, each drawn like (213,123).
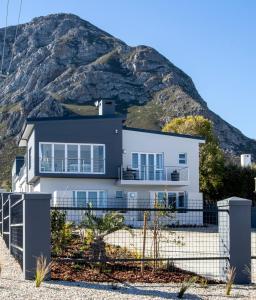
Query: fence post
(36,231)
(235,236)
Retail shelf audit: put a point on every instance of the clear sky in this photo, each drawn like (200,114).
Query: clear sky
(212,41)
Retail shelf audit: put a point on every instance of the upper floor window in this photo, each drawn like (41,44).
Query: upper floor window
(183,159)
(149,166)
(72,158)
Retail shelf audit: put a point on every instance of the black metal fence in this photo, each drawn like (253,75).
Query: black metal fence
(12,215)
(155,236)
(5,217)
(16,227)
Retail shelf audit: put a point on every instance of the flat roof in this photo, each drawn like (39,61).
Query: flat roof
(66,118)
(196,137)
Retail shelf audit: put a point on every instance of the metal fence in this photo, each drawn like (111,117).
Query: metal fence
(12,225)
(16,227)
(184,240)
(26,228)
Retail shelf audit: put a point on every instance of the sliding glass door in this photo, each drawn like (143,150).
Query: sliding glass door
(149,165)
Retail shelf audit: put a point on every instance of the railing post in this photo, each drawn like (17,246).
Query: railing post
(235,237)
(36,231)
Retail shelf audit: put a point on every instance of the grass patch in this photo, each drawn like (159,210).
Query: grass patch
(82,110)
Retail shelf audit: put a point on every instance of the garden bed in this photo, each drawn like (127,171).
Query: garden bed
(74,265)
(114,272)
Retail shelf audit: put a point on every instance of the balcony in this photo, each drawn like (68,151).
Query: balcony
(150,175)
(71,165)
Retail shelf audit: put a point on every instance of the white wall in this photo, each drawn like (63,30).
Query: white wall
(171,146)
(31,144)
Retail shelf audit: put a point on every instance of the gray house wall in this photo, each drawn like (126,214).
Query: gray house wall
(97,130)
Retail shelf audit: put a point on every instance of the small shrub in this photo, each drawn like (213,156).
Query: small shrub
(186,284)
(98,227)
(61,231)
(230,280)
(42,269)
(203,283)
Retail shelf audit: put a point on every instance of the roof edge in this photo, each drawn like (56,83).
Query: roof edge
(66,118)
(195,137)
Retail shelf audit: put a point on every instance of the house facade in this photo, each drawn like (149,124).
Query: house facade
(97,160)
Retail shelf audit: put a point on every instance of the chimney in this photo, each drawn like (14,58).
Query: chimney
(106,107)
(246,160)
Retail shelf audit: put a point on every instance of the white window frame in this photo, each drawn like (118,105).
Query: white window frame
(147,164)
(66,158)
(185,159)
(87,192)
(152,193)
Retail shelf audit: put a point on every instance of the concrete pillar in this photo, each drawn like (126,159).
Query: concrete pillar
(235,236)
(36,231)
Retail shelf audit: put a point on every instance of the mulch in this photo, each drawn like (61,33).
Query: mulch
(71,271)
(67,267)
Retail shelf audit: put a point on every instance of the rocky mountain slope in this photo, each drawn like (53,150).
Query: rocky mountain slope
(61,64)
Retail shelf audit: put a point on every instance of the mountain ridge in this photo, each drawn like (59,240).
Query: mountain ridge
(62,64)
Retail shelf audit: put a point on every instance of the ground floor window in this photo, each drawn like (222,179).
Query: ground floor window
(93,198)
(171,199)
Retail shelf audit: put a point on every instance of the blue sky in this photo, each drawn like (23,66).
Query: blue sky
(212,41)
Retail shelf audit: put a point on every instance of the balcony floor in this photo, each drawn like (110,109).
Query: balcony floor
(152,182)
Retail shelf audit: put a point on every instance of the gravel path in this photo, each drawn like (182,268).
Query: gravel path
(12,286)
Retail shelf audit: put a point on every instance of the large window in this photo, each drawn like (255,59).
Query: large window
(172,199)
(92,198)
(72,158)
(150,166)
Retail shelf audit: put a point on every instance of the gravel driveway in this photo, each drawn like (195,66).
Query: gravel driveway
(12,286)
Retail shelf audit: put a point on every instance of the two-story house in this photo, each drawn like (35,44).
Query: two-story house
(98,160)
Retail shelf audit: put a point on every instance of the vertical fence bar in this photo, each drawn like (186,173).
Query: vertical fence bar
(36,231)
(235,236)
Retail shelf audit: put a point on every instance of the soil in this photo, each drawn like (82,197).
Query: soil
(67,267)
(72,271)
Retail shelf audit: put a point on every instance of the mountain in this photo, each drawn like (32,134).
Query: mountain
(60,64)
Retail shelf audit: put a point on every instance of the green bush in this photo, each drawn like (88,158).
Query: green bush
(61,232)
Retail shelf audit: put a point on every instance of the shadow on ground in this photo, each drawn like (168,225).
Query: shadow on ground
(125,288)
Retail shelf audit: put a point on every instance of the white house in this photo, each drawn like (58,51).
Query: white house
(97,160)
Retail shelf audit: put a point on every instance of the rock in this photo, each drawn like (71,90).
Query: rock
(61,59)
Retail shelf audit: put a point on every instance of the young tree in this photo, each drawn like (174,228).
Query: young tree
(211,155)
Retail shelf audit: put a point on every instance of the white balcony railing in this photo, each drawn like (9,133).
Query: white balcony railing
(151,173)
(71,165)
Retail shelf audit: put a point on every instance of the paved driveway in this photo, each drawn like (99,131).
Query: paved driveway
(193,250)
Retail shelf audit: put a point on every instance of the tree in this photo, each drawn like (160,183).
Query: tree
(211,155)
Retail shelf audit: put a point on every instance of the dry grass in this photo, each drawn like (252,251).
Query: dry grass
(230,280)
(186,285)
(42,269)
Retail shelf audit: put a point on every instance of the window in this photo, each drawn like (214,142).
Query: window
(150,166)
(72,158)
(183,158)
(85,156)
(172,199)
(29,158)
(59,158)
(135,160)
(93,198)
(46,157)
(98,159)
